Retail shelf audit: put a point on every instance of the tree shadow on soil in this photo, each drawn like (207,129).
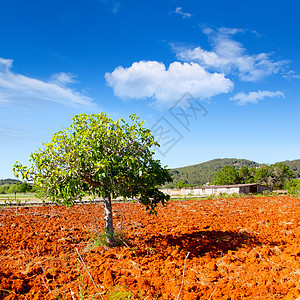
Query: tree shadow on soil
(199,243)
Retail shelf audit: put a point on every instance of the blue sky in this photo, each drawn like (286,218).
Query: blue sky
(211,78)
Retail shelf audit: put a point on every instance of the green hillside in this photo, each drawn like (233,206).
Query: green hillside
(10,181)
(205,172)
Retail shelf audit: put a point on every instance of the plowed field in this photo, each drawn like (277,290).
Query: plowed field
(245,248)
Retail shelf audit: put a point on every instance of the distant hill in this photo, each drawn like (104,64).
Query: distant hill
(10,181)
(206,172)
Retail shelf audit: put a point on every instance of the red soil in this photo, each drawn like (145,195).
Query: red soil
(239,249)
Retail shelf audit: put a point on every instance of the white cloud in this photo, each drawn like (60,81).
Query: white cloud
(254,97)
(17,87)
(180,12)
(151,79)
(230,57)
(63,79)
(290,74)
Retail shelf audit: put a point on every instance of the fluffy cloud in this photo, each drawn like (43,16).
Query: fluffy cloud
(230,57)
(151,79)
(203,73)
(180,12)
(16,87)
(254,97)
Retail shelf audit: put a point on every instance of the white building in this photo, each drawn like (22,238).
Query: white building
(217,189)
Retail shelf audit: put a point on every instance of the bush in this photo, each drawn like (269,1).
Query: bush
(12,189)
(4,188)
(24,187)
(102,239)
(293,187)
(120,292)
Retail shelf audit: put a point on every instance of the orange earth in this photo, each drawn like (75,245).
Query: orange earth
(247,248)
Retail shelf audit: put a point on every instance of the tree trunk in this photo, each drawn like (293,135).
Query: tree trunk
(108,218)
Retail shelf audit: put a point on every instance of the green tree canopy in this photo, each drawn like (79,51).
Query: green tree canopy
(275,175)
(245,175)
(282,174)
(13,188)
(263,175)
(24,187)
(4,188)
(227,175)
(180,184)
(293,187)
(99,157)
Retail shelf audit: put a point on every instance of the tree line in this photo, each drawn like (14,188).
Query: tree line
(275,176)
(23,187)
